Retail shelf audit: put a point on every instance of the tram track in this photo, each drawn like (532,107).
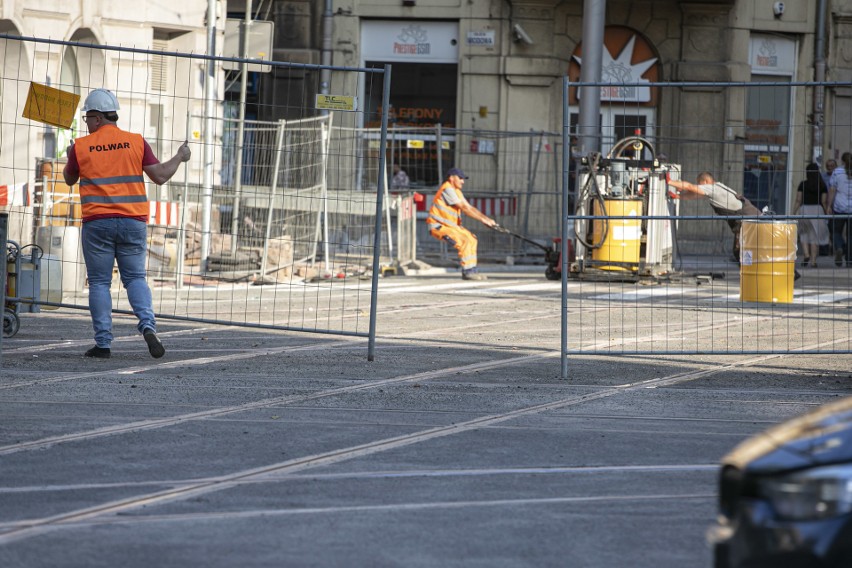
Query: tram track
(115,511)
(157,423)
(33,527)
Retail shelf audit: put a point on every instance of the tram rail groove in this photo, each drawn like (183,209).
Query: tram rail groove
(34,527)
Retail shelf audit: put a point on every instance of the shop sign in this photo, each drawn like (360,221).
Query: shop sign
(409,41)
(628,62)
(772,55)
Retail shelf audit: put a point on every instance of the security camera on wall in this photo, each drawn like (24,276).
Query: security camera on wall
(521,35)
(778,9)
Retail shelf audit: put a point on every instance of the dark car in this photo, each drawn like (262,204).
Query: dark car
(785,495)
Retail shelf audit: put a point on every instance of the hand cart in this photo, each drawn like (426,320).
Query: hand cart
(23,284)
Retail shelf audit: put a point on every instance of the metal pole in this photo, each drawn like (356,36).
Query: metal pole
(526,214)
(388,216)
(566,157)
(326,138)
(439,140)
(209,95)
(532,165)
(322,214)
(4,233)
(181,241)
(241,127)
(325,72)
(279,145)
(590,97)
(377,233)
(819,77)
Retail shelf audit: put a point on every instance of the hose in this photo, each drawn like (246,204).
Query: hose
(591,191)
(619,146)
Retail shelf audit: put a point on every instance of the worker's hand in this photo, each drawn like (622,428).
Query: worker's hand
(488,222)
(184,152)
(672,193)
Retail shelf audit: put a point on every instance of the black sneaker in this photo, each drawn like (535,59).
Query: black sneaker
(98,352)
(155,348)
(474,276)
(838,257)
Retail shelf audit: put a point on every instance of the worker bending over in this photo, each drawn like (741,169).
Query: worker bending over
(445,218)
(724,201)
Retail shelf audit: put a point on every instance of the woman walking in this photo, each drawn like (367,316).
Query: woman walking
(840,203)
(812,199)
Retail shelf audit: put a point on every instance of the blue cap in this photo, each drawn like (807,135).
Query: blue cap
(456,172)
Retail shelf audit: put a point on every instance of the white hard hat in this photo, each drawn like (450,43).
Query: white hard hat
(101,100)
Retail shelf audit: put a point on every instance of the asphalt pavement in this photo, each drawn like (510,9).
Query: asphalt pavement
(459,445)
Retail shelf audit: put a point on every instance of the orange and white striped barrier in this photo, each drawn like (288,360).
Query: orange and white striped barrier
(17,194)
(163,213)
(491,206)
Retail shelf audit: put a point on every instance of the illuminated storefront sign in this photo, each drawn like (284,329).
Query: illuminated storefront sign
(771,55)
(410,41)
(628,61)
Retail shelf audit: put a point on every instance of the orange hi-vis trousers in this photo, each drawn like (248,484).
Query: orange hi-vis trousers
(463,240)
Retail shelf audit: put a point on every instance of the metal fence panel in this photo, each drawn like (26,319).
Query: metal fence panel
(707,294)
(278,227)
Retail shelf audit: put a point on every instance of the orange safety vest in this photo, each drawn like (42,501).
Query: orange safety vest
(111,181)
(441,213)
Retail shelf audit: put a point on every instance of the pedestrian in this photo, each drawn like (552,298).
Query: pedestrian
(840,203)
(812,199)
(445,217)
(400,178)
(830,166)
(109,163)
(723,200)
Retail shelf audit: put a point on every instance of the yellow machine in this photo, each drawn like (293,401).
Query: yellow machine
(626,224)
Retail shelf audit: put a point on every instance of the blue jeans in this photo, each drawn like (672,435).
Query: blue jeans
(106,241)
(840,233)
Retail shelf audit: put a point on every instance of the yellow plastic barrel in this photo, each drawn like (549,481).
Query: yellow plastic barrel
(767,261)
(623,236)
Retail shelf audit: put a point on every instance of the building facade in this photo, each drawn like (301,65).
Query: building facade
(487,65)
(152,91)
(478,65)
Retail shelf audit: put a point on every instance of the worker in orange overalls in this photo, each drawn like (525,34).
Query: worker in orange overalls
(445,222)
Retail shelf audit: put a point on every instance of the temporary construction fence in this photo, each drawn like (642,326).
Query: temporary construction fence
(513,177)
(656,273)
(250,231)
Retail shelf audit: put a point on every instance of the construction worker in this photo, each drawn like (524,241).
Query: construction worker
(109,163)
(445,217)
(723,200)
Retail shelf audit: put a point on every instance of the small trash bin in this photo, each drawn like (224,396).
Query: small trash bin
(767,261)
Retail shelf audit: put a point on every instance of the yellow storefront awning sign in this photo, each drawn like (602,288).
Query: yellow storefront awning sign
(336,102)
(51,106)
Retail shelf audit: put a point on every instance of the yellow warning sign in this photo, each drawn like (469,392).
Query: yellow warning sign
(336,102)
(415,144)
(51,106)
